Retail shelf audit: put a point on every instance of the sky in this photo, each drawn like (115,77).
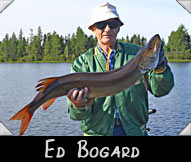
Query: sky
(144,17)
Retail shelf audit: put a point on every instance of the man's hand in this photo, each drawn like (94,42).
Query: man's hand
(77,96)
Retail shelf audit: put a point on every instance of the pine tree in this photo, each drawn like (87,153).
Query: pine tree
(13,48)
(73,45)
(47,48)
(29,48)
(68,52)
(127,39)
(179,44)
(21,45)
(56,48)
(135,40)
(178,40)
(81,42)
(39,38)
(90,42)
(5,49)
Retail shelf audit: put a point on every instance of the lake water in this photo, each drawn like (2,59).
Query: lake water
(17,89)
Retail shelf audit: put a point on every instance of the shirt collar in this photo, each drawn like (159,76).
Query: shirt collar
(117,48)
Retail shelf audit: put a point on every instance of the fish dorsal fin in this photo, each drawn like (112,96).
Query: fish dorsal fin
(48,103)
(44,83)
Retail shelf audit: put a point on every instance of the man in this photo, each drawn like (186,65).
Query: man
(125,113)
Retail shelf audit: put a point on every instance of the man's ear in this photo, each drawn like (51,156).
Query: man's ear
(93,28)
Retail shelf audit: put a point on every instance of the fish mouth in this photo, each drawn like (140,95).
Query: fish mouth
(151,56)
(155,42)
(151,59)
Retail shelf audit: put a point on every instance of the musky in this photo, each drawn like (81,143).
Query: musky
(144,17)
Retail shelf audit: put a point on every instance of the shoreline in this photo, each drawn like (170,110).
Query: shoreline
(179,61)
(173,61)
(12,62)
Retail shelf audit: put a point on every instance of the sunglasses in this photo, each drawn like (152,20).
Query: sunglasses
(113,24)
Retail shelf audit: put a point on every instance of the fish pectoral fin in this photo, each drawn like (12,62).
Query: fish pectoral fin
(47,104)
(25,116)
(89,103)
(44,83)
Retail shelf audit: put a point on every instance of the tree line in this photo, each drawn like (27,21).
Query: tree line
(54,47)
(44,47)
(179,44)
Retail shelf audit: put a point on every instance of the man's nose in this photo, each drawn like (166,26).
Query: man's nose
(107,28)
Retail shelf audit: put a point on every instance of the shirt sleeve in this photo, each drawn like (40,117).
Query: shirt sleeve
(78,113)
(160,84)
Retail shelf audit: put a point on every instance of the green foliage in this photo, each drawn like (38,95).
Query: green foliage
(178,46)
(52,47)
(49,47)
(56,48)
(135,39)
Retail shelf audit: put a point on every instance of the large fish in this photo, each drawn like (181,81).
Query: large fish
(99,84)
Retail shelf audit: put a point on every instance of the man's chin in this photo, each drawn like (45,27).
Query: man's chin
(108,41)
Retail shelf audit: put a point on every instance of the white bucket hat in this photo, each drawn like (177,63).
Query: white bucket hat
(104,12)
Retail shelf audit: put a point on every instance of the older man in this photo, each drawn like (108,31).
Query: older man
(125,113)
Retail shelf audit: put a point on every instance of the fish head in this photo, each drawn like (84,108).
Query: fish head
(150,53)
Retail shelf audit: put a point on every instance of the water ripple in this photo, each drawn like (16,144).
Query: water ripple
(17,89)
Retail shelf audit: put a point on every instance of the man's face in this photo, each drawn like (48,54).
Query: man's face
(107,35)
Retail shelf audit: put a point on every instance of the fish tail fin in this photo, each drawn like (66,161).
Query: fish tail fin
(25,116)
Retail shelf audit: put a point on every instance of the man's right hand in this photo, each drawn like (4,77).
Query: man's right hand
(77,96)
